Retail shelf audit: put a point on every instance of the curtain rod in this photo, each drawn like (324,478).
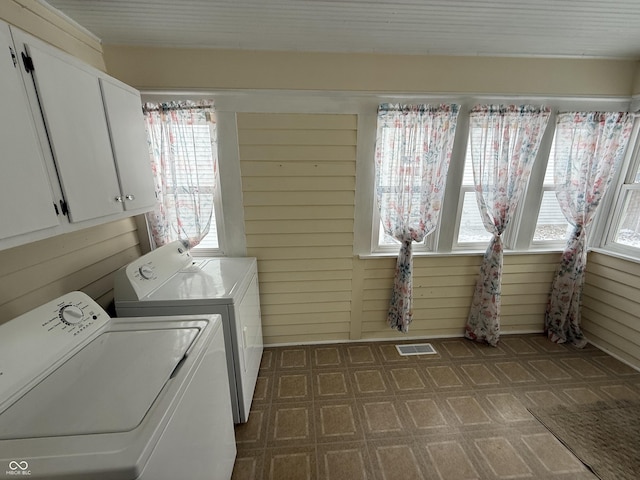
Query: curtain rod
(164,107)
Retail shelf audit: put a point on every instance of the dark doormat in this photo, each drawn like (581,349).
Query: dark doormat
(605,436)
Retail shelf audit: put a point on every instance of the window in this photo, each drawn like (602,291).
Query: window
(551,225)
(183,141)
(502,147)
(538,225)
(628,229)
(471,230)
(413,151)
(624,233)
(204,150)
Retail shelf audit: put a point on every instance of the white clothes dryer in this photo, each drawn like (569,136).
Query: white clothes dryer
(84,396)
(169,281)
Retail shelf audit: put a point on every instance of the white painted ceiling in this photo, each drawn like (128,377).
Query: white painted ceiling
(549,28)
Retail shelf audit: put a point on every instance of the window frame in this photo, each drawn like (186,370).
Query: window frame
(228,206)
(365,179)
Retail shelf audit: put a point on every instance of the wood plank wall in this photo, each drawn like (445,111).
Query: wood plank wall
(86,260)
(611,306)
(443,290)
(298,182)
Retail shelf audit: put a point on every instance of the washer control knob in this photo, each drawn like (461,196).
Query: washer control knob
(146,271)
(70,314)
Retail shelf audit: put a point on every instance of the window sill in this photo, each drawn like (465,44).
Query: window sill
(461,253)
(206,252)
(616,254)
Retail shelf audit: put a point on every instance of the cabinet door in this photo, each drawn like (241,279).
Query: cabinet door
(26,198)
(129,141)
(71,104)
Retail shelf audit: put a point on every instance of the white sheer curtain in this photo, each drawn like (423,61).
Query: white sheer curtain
(183,151)
(588,149)
(504,142)
(413,151)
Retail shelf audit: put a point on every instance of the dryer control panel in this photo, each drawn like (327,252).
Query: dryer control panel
(145,274)
(33,342)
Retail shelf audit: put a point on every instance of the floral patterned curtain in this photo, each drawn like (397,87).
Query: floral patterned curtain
(504,142)
(413,151)
(183,151)
(588,148)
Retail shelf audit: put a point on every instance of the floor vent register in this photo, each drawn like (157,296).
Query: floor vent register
(416,349)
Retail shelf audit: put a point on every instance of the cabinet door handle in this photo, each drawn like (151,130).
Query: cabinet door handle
(118,199)
(130,197)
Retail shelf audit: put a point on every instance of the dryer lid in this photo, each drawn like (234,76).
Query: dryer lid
(108,386)
(219,280)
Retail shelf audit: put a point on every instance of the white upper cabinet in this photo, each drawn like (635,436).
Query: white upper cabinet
(26,198)
(130,150)
(74,149)
(71,104)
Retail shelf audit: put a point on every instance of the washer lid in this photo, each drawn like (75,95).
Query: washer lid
(108,386)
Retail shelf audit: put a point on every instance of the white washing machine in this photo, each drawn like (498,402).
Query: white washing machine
(84,396)
(169,281)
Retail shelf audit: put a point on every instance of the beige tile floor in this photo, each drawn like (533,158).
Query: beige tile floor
(361,411)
